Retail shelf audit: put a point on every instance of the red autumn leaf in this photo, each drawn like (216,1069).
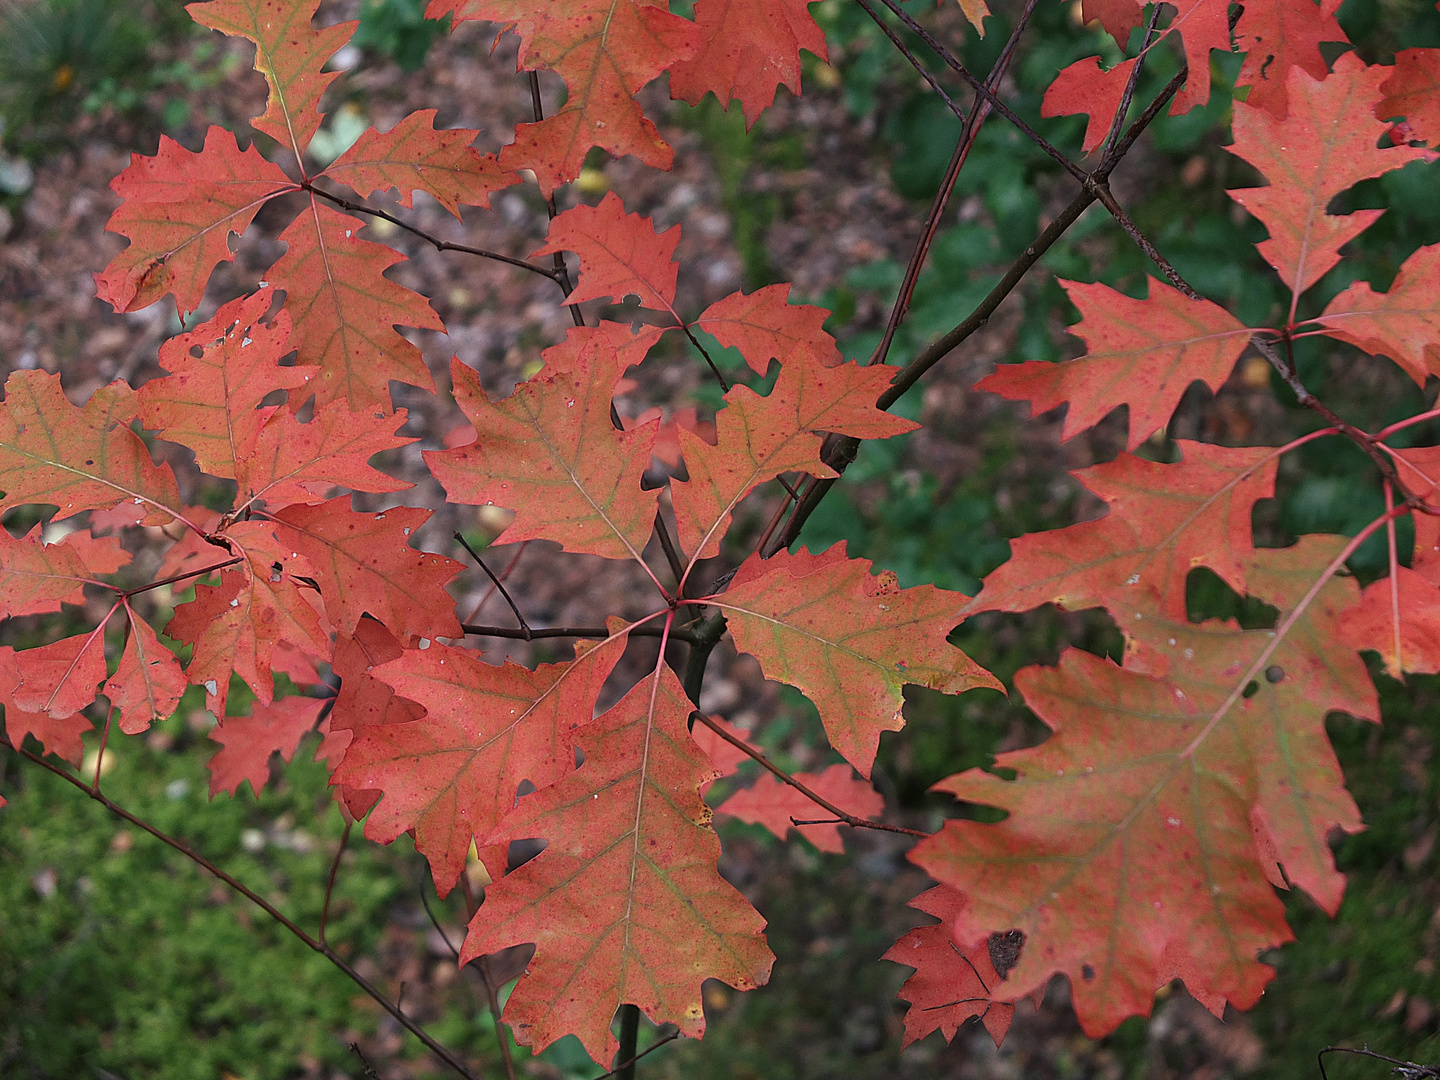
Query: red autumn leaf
(1204,26)
(452,776)
(414,156)
(1326,145)
(550,452)
(950,985)
(287,461)
(1403,323)
(1086,87)
(236,625)
(620,254)
(364,564)
(36,578)
(76,459)
(210,402)
(1158,799)
(848,640)
(289,54)
(772,804)
(761,437)
(763,326)
(605,52)
(1278,35)
(246,742)
(1162,522)
(1142,353)
(1413,91)
(747,49)
(1399,617)
(625,904)
(148,683)
(179,211)
(59,679)
(346,309)
(1118,17)
(59,737)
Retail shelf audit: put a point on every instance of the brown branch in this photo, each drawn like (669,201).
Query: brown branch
(330,882)
(667,545)
(783,776)
(600,633)
(630,1062)
(324,950)
(562,272)
(439,245)
(128,593)
(524,626)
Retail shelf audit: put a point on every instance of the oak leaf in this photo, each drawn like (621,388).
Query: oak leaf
(59,737)
(764,326)
(950,985)
(1142,353)
(246,742)
(1402,323)
(1278,35)
(620,254)
(148,683)
(36,578)
(1413,91)
(848,640)
(625,904)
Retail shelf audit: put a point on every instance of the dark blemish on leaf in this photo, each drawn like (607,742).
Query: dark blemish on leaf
(1005,950)
(1274,673)
(1087,973)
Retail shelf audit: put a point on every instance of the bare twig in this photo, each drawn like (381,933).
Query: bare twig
(439,1050)
(819,800)
(173,578)
(600,633)
(667,545)
(524,626)
(630,1063)
(562,272)
(330,882)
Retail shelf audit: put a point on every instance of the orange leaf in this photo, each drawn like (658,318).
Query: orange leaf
(620,254)
(625,904)
(763,326)
(1403,324)
(36,578)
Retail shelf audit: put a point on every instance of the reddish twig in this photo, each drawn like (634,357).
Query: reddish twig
(330,881)
(819,800)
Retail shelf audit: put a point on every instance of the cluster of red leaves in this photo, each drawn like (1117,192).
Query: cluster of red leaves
(1144,840)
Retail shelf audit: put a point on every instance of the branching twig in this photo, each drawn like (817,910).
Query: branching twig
(525,631)
(440,1051)
(819,800)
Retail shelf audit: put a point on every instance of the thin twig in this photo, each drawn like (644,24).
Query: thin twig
(724,385)
(524,626)
(440,245)
(440,1051)
(173,578)
(598,632)
(914,60)
(1118,123)
(365,1068)
(649,1049)
(667,545)
(782,775)
(562,272)
(330,882)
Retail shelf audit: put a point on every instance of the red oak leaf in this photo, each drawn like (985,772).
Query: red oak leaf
(362,701)
(1326,145)
(620,254)
(1397,617)
(550,452)
(1142,353)
(77,459)
(236,625)
(761,437)
(625,903)
(610,345)
(179,211)
(1118,17)
(413,156)
(1086,87)
(289,54)
(210,402)
(454,775)
(246,742)
(950,985)
(1403,323)
(848,640)
(1413,91)
(287,461)
(1204,25)
(747,49)
(59,679)
(148,683)
(36,578)
(1277,35)
(605,52)
(346,309)
(1104,831)
(364,563)
(1162,522)
(772,804)
(59,737)
(763,326)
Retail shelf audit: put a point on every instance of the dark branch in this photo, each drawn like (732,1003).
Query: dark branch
(598,633)
(524,626)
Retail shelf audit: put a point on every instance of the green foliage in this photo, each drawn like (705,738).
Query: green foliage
(398,30)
